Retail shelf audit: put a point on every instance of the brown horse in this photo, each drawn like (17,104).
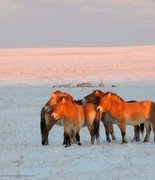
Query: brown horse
(107,120)
(73,117)
(94,98)
(129,113)
(47,122)
(90,115)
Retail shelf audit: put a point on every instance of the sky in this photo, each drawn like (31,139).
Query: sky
(76,23)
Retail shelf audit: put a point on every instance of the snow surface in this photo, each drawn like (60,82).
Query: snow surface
(27,77)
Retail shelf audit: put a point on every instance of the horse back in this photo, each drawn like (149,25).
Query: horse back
(139,107)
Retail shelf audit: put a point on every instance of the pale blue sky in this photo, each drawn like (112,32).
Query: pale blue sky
(76,23)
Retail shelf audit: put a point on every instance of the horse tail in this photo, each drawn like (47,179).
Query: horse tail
(142,128)
(96,124)
(42,122)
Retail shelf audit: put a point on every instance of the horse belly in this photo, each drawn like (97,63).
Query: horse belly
(108,117)
(60,122)
(135,121)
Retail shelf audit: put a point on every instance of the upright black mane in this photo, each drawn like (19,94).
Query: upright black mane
(79,101)
(109,92)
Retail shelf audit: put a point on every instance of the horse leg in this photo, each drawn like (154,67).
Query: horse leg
(78,139)
(111,130)
(154,131)
(122,127)
(96,125)
(148,131)
(106,126)
(91,131)
(153,127)
(64,141)
(67,140)
(136,133)
(45,134)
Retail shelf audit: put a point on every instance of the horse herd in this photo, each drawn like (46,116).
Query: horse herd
(98,106)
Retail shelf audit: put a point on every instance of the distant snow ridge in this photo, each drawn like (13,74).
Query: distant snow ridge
(77,65)
(82,85)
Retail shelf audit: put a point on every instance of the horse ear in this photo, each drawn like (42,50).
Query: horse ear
(97,92)
(52,95)
(109,94)
(63,100)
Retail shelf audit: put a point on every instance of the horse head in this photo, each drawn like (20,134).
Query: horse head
(98,93)
(61,108)
(107,99)
(94,97)
(57,97)
(104,101)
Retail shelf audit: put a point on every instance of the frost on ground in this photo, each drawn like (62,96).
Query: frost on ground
(21,153)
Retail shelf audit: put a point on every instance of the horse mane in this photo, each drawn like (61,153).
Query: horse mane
(64,94)
(114,94)
(100,93)
(57,91)
(79,101)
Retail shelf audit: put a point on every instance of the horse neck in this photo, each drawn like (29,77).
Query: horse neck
(97,101)
(71,110)
(78,104)
(64,110)
(101,94)
(115,107)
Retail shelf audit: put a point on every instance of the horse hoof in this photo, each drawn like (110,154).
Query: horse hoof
(92,142)
(44,143)
(114,139)
(79,144)
(67,145)
(98,141)
(108,140)
(145,141)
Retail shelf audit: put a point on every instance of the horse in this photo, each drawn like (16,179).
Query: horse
(107,120)
(132,113)
(47,122)
(90,116)
(73,117)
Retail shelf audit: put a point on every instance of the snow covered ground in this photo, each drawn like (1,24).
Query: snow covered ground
(27,77)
